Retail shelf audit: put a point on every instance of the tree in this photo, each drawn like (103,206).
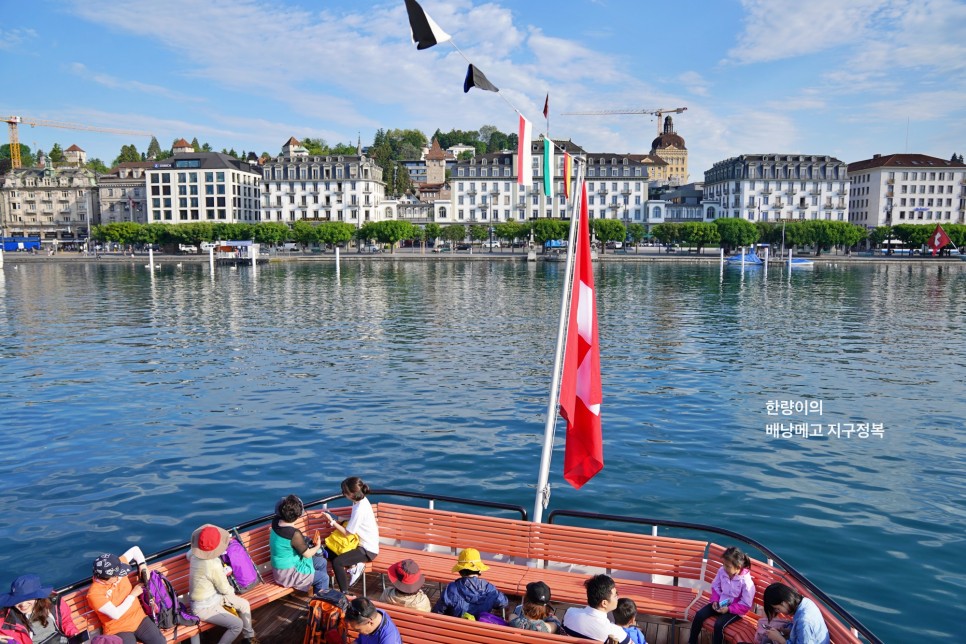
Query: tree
(154,148)
(129,154)
(432,231)
(699,234)
(392,231)
(334,233)
(195,145)
(735,233)
(479,233)
(304,233)
(509,231)
(879,234)
(637,233)
(608,230)
(271,233)
(667,233)
(97,166)
(545,230)
(487,132)
(27,158)
(454,233)
(465,155)
(56,153)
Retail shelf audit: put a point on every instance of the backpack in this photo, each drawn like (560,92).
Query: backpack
(326,619)
(244,575)
(161,604)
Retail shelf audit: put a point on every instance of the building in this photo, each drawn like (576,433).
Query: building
(75,155)
(122,193)
(321,188)
(906,188)
(432,165)
(773,187)
(56,204)
(202,186)
(670,147)
(680,205)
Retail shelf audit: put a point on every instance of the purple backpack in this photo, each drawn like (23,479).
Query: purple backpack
(161,604)
(244,574)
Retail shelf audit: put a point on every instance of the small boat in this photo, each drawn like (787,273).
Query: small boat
(797,262)
(750,259)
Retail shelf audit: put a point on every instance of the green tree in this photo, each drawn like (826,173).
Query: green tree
(509,231)
(479,233)
(56,153)
(913,235)
(97,166)
(608,230)
(735,233)
(392,232)
(27,158)
(667,233)
(129,154)
(454,233)
(545,230)
(304,233)
(879,234)
(433,231)
(699,234)
(637,233)
(271,233)
(195,145)
(335,232)
(154,149)
(853,234)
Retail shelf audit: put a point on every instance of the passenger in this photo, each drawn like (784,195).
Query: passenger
(38,609)
(374,625)
(407,586)
(116,600)
(732,593)
(625,616)
(535,613)
(780,622)
(470,594)
(590,622)
(209,589)
(297,562)
(362,523)
(808,625)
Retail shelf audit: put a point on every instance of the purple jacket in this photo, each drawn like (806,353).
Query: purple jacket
(740,589)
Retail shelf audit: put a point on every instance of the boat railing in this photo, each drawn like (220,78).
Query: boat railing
(773,558)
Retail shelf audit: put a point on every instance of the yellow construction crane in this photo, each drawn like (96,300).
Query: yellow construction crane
(657,113)
(14,121)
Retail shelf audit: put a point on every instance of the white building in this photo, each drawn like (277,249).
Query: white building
(122,193)
(331,188)
(683,204)
(906,188)
(202,186)
(773,187)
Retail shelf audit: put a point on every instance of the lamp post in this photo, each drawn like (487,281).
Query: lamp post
(491,239)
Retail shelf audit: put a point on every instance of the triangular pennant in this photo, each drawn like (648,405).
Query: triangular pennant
(426,33)
(476,78)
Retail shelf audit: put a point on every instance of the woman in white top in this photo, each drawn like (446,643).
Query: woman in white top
(362,523)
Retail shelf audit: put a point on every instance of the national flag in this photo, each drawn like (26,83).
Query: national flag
(938,239)
(580,387)
(546,107)
(476,78)
(548,168)
(567,170)
(524,154)
(426,32)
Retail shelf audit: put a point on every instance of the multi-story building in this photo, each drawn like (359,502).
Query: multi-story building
(773,187)
(75,155)
(55,204)
(906,188)
(681,204)
(670,147)
(298,186)
(202,186)
(122,193)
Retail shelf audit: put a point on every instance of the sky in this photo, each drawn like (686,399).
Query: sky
(845,78)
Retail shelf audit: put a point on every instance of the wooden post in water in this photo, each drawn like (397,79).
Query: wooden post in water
(151,258)
(211,259)
(766,260)
(337,259)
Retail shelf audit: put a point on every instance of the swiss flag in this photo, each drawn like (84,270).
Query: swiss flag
(580,391)
(938,239)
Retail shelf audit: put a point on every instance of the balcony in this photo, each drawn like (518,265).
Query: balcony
(471,191)
(495,191)
(626,191)
(766,191)
(602,191)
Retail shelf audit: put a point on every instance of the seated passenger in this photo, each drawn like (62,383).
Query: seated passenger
(297,562)
(470,594)
(732,594)
(625,616)
(362,523)
(535,613)
(590,622)
(808,625)
(37,608)
(116,600)
(407,586)
(209,589)
(374,625)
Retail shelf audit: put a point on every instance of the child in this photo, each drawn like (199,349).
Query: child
(625,616)
(732,593)
(780,622)
(470,594)
(536,613)
(407,584)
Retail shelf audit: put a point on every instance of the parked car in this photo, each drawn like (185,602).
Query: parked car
(442,248)
(494,244)
(462,246)
(206,246)
(187,248)
(372,249)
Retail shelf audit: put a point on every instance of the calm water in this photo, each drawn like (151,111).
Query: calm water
(135,408)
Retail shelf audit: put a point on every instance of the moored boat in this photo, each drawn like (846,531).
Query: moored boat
(797,262)
(744,259)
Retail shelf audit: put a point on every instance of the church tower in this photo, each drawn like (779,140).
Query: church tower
(670,147)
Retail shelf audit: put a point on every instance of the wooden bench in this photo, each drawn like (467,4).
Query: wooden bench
(417,627)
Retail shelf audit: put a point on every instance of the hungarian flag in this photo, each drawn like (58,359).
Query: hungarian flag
(476,78)
(548,168)
(580,390)
(938,239)
(567,170)
(524,154)
(426,32)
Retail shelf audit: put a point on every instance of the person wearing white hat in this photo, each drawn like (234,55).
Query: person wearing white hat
(210,592)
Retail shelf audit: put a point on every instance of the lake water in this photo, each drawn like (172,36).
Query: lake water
(135,408)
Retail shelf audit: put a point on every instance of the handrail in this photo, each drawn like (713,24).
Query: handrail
(800,578)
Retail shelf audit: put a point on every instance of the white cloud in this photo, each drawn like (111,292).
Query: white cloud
(694,83)
(11,39)
(112,82)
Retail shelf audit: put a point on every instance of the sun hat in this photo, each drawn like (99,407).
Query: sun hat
(405,576)
(108,565)
(209,541)
(469,559)
(23,588)
(538,593)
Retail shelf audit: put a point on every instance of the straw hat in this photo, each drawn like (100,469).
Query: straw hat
(469,559)
(209,541)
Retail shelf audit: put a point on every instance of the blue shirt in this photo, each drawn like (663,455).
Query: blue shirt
(636,635)
(808,625)
(387,633)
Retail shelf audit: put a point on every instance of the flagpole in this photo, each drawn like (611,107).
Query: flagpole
(543,485)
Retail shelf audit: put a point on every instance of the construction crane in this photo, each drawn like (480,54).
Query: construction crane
(657,113)
(14,121)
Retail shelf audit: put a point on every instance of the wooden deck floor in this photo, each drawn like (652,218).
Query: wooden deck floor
(283,621)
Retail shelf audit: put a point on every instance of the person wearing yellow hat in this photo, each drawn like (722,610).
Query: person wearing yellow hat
(470,594)
(209,589)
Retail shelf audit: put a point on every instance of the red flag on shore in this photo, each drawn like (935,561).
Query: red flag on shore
(524,153)
(546,107)
(580,387)
(938,239)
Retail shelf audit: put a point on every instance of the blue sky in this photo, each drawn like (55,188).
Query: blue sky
(846,78)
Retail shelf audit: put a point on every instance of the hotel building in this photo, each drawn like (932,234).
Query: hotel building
(202,186)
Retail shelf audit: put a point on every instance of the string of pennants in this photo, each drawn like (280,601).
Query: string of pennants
(427,33)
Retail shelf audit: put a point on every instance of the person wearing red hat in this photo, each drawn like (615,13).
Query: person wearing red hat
(407,586)
(209,589)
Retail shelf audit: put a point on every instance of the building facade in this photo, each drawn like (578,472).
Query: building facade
(680,205)
(321,188)
(122,193)
(775,187)
(56,204)
(202,186)
(906,189)
(669,147)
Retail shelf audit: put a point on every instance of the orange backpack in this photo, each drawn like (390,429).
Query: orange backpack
(326,619)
